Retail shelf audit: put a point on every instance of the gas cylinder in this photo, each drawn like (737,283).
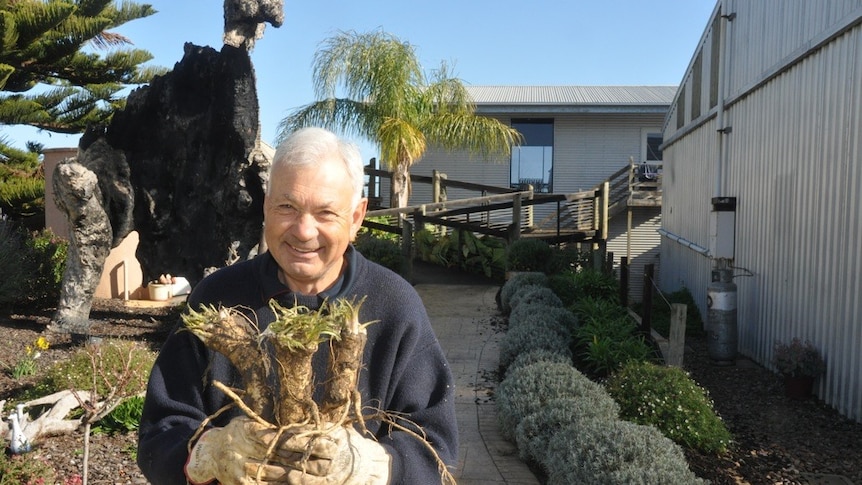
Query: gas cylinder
(721,323)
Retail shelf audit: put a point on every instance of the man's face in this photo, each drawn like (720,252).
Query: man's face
(309,222)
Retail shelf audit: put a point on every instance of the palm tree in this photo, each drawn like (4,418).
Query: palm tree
(390,101)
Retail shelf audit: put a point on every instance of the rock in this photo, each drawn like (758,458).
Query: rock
(191,140)
(78,194)
(244,20)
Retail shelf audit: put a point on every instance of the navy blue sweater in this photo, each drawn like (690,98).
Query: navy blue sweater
(404,369)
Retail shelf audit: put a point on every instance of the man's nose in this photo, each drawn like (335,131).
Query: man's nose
(306,226)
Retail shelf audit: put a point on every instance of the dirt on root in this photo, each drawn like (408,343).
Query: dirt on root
(777,440)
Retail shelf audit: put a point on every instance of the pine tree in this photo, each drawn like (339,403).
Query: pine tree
(52,78)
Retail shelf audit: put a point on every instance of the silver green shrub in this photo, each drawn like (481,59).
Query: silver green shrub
(615,452)
(540,355)
(527,313)
(515,283)
(534,294)
(527,389)
(535,431)
(541,334)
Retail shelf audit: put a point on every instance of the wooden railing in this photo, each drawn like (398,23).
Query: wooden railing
(507,214)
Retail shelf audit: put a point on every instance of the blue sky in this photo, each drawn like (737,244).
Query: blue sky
(501,42)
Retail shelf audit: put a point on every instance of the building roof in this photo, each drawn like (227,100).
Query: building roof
(500,99)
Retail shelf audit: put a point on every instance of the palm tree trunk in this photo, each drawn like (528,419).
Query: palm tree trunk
(399,191)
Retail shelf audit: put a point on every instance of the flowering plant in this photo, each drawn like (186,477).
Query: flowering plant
(27,365)
(798,359)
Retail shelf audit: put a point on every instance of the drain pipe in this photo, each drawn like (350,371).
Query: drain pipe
(722,81)
(721,293)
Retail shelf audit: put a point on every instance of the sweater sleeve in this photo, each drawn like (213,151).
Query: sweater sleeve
(180,396)
(173,410)
(408,377)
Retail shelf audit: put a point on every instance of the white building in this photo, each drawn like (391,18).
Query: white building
(770,112)
(575,138)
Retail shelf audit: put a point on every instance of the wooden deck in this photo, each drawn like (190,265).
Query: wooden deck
(508,214)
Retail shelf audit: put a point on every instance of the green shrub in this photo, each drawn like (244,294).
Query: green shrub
(22,195)
(532,294)
(531,357)
(514,284)
(32,265)
(615,453)
(535,431)
(566,259)
(377,233)
(528,389)
(462,249)
(667,398)
(125,418)
(661,312)
(597,310)
(563,285)
(111,358)
(528,254)
(606,338)
(591,283)
(25,469)
(384,251)
(16,270)
(539,335)
(48,253)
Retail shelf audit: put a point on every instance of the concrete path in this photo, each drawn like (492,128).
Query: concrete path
(463,316)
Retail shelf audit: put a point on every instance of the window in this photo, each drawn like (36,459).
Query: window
(533,161)
(696,81)
(714,59)
(653,148)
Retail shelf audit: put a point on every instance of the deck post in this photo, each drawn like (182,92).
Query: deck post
(407,249)
(605,201)
(624,281)
(646,318)
(516,216)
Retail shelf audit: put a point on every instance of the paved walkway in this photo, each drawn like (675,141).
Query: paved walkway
(462,317)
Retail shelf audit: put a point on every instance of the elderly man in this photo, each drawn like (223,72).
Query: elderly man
(313,210)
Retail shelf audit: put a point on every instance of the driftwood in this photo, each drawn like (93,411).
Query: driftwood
(54,421)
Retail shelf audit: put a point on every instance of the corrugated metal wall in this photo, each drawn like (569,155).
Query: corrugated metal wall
(688,182)
(644,243)
(793,162)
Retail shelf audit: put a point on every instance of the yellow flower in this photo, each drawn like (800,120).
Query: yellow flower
(28,350)
(42,343)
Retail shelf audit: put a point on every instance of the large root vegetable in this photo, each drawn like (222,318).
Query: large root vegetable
(232,334)
(296,334)
(294,337)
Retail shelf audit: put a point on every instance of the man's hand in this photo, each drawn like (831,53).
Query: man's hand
(234,455)
(337,456)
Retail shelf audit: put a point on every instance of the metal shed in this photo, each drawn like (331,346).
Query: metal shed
(769,112)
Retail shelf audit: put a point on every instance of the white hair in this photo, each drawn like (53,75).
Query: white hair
(310,146)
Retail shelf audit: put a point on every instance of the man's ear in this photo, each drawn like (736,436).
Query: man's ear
(358,217)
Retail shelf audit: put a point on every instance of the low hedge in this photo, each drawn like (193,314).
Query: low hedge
(615,452)
(515,283)
(532,294)
(528,389)
(535,431)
